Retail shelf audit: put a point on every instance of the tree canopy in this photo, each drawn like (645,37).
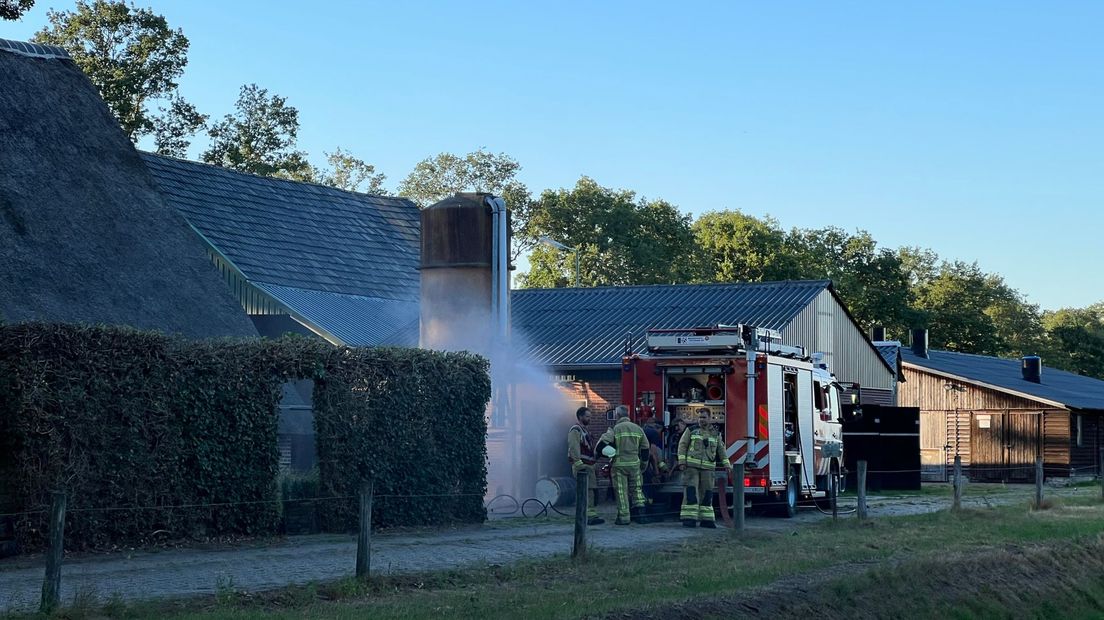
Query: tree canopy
(259,137)
(134,58)
(445,174)
(621,239)
(14,9)
(351,173)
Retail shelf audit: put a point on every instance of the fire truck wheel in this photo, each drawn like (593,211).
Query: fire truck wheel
(789,508)
(784,504)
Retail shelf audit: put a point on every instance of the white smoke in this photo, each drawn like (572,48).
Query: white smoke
(527,435)
(528,417)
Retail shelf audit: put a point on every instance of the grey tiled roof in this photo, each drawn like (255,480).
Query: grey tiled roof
(1059,386)
(587,326)
(298,235)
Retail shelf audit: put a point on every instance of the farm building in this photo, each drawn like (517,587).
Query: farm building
(580,334)
(85,236)
(999,415)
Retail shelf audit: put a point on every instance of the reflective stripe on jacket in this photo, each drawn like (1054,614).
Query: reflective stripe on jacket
(629,440)
(701,449)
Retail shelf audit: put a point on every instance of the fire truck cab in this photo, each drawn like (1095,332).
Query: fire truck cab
(777,409)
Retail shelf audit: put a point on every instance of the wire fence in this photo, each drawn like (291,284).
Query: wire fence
(663,499)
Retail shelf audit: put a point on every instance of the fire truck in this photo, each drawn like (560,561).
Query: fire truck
(777,408)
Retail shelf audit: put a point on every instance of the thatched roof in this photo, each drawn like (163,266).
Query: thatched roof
(84,234)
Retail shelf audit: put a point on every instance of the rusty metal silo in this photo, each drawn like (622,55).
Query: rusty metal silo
(464,273)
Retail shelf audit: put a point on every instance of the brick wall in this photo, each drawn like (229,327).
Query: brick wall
(599,396)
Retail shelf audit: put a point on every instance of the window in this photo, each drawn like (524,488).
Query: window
(818,396)
(1080,436)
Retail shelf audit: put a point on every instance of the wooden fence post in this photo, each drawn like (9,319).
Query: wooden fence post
(862,490)
(1102,474)
(738,496)
(957,483)
(1038,484)
(364,536)
(51,583)
(578,551)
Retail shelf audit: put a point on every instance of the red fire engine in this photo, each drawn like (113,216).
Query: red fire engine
(777,409)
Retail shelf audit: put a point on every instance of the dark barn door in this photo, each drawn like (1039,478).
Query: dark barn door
(1003,446)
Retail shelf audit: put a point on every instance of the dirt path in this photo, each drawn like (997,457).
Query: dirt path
(181,573)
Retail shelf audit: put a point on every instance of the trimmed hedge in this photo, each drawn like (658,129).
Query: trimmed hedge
(123,419)
(411,420)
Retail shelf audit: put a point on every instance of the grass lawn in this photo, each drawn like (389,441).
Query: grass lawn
(855,560)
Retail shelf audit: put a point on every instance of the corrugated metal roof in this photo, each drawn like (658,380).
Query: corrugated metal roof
(353,319)
(575,327)
(298,235)
(1059,386)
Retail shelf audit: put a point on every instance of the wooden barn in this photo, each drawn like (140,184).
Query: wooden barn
(1000,415)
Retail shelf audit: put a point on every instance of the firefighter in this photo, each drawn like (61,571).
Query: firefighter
(580,452)
(655,467)
(632,455)
(700,452)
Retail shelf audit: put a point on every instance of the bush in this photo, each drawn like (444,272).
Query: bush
(145,432)
(413,421)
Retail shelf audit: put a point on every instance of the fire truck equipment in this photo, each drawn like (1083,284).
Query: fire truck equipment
(775,409)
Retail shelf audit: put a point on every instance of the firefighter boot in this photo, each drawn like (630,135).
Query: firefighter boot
(638,515)
(705,511)
(689,523)
(595,521)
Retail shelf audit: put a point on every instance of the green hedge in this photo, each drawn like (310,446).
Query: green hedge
(120,418)
(413,421)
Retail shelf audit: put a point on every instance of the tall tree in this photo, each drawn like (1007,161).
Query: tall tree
(134,58)
(870,280)
(955,302)
(1018,323)
(621,239)
(742,248)
(1075,340)
(14,9)
(259,137)
(350,173)
(439,177)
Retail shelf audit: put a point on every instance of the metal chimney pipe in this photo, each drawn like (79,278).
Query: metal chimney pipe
(1032,368)
(920,342)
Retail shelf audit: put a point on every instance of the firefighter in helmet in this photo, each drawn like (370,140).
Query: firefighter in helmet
(580,452)
(633,452)
(700,453)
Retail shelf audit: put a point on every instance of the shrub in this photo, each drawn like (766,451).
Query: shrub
(150,434)
(413,421)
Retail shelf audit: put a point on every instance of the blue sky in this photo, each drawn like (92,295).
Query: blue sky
(974,129)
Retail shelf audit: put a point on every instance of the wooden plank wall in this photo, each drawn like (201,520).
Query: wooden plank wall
(952,429)
(929,393)
(1085,459)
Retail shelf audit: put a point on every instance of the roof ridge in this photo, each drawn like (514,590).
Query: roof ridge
(147,155)
(34,50)
(621,287)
